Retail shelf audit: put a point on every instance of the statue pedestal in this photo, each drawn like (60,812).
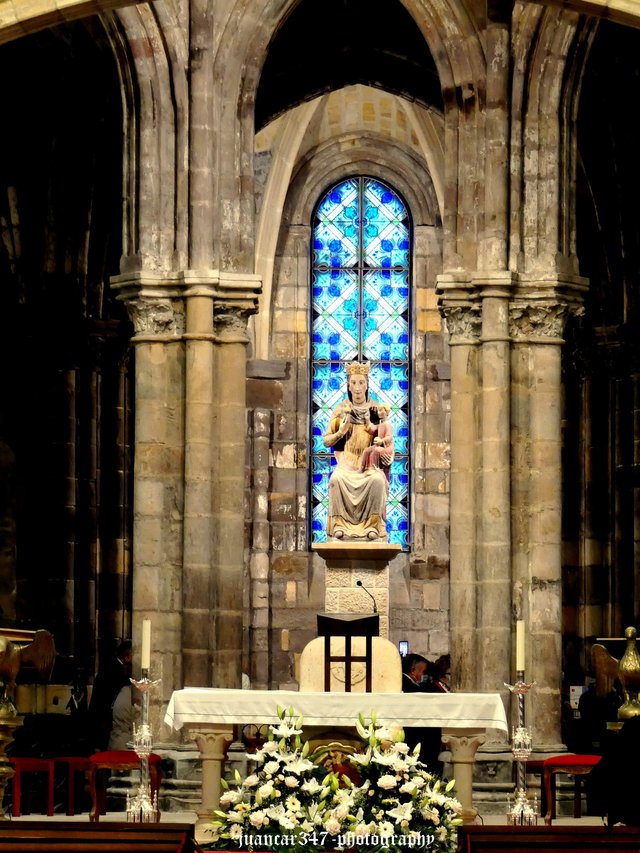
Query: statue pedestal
(348,562)
(339,551)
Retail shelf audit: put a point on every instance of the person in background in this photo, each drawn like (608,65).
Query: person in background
(414,671)
(123,715)
(441,674)
(109,681)
(414,668)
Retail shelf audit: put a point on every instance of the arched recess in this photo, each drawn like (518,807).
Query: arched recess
(340,158)
(455,43)
(337,159)
(337,150)
(66,404)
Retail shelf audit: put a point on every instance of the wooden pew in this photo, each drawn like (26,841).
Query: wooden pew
(550,839)
(112,837)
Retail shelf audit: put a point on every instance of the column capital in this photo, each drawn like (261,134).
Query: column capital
(230,323)
(152,300)
(464,322)
(155,318)
(541,321)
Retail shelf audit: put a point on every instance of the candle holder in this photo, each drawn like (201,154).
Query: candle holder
(141,808)
(522,812)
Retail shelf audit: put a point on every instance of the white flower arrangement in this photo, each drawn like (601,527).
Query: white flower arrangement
(290,804)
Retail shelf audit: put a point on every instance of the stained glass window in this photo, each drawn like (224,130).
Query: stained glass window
(360,262)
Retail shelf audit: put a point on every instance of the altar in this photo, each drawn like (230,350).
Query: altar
(209,714)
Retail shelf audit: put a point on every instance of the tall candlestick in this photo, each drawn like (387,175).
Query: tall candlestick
(520,645)
(145,656)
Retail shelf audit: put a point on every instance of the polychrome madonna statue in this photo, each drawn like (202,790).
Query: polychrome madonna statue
(362,443)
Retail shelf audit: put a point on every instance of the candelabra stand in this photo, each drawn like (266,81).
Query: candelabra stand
(141,808)
(521,813)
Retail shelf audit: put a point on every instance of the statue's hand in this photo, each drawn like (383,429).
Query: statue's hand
(344,426)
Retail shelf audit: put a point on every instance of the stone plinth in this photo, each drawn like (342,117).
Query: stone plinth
(350,562)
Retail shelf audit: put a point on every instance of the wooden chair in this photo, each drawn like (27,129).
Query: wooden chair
(117,759)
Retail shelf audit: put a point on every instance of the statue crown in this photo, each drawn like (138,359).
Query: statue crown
(361,367)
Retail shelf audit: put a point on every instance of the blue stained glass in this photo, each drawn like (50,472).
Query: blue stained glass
(360,303)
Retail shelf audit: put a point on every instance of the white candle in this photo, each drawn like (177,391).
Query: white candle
(520,645)
(145,656)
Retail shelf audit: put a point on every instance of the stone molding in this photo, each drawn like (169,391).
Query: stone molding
(538,307)
(156,302)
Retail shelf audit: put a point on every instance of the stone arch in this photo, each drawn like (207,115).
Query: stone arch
(350,155)
(334,154)
(454,40)
(151,54)
(545,80)
(17,20)
(618,11)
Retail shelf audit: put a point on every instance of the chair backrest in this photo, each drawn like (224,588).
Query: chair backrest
(386,667)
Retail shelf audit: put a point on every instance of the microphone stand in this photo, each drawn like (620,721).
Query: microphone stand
(362,586)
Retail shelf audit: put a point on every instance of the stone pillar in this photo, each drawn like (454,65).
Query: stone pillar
(236,301)
(463,324)
(158,472)
(537,333)
(213,742)
(494,515)
(198,478)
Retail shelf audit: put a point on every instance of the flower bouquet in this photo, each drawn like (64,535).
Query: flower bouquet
(291,804)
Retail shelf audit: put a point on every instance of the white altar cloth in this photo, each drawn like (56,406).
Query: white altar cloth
(209,713)
(194,705)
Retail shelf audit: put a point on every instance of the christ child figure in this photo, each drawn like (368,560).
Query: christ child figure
(380,454)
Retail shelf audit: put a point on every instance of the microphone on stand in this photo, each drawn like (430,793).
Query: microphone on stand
(375,606)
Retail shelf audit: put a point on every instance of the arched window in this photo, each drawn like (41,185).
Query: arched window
(360,267)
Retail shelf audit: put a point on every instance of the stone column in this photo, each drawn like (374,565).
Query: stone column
(494,515)
(463,324)
(158,320)
(213,742)
(198,479)
(537,333)
(236,301)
